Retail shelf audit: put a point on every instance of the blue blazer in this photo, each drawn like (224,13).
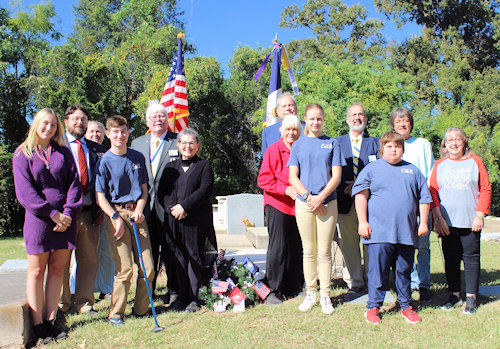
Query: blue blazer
(369,146)
(270,135)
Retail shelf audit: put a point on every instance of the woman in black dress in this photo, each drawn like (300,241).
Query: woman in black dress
(185,188)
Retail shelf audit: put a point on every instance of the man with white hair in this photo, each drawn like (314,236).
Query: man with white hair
(159,148)
(286,106)
(358,149)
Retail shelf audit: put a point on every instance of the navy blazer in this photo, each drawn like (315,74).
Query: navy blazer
(142,145)
(369,146)
(95,152)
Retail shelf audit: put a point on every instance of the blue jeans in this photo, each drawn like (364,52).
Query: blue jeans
(421,273)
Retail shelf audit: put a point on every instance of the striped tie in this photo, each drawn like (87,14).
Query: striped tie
(355,158)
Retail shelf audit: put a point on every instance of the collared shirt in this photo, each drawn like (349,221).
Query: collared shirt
(152,151)
(359,138)
(87,199)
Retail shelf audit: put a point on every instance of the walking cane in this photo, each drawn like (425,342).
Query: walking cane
(158,328)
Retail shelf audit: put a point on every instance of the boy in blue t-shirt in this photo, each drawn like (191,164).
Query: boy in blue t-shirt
(390,194)
(122,193)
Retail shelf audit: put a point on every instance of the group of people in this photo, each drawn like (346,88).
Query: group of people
(76,195)
(380,190)
(80,197)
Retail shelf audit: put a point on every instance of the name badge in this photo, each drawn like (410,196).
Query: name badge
(173,152)
(372,158)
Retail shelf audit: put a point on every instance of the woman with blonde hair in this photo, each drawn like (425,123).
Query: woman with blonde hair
(315,167)
(47,186)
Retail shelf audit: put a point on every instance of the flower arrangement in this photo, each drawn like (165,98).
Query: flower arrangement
(247,222)
(232,284)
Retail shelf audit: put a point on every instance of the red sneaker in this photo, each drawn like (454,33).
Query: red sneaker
(411,315)
(372,316)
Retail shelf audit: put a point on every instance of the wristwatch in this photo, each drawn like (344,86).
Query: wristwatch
(305,195)
(115,215)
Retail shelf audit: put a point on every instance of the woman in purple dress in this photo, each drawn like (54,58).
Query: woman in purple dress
(47,186)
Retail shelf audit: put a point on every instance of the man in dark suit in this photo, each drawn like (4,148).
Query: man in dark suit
(358,149)
(159,148)
(86,154)
(286,106)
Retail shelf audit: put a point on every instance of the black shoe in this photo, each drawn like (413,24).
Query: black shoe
(470,306)
(425,295)
(173,296)
(105,296)
(55,331)
(452,302)
(354,293)
(272,299)
(42,333)
(192,307)
(116,321)
(177,305)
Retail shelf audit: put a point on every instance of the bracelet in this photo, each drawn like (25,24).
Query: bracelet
(478,216)
(438,218)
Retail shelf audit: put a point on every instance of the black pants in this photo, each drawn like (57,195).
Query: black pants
(462,244)
(161,252)
(284,269)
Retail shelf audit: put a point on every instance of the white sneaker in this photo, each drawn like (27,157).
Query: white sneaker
(308,302)
(326,305)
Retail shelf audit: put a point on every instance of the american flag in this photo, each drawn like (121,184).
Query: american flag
(261,289)
(219,286)
(174,96)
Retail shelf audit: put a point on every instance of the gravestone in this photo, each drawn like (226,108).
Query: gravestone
(241,206)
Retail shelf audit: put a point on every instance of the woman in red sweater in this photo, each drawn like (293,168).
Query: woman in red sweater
(461,197)
(284,252)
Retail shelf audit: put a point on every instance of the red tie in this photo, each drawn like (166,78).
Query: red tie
(82,165)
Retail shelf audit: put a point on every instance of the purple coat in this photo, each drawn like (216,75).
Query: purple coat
(43,193)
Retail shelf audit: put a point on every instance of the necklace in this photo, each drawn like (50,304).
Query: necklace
(45,157)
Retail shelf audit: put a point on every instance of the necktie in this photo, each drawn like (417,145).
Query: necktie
(154,163)
(82,166)
(355,158)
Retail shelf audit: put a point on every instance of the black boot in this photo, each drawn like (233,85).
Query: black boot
(42,333)
(55,331)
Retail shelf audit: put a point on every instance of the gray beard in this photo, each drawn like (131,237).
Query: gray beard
(357,128)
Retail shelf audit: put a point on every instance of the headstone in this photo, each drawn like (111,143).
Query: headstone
(241,206)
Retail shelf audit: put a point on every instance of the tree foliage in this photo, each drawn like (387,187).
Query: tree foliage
(24,37)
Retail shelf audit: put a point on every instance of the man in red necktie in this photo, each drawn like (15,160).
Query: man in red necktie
(86,154)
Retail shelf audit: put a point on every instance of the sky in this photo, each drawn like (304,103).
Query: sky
(217,27)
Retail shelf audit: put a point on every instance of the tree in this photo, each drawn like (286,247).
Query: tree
(476,22)
(24,37)
(341,30)
(110,57)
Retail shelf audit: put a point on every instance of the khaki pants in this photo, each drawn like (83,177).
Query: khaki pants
(353,273)
(316,233)
(124,253)
(87,242)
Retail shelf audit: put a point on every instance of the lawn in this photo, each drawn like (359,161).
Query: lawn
(284,326)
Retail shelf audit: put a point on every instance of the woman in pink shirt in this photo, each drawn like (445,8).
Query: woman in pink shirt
(461,195)
(284,252)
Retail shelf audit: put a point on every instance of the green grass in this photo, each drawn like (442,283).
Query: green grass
(284,326)
(12,248)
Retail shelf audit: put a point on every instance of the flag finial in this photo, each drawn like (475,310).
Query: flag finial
(180,36)
(276,38)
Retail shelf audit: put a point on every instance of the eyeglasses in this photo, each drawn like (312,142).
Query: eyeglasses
(456,141)
(157,117)
(189,144)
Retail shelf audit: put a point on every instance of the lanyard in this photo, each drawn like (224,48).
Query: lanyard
(45,157)
(151,160)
